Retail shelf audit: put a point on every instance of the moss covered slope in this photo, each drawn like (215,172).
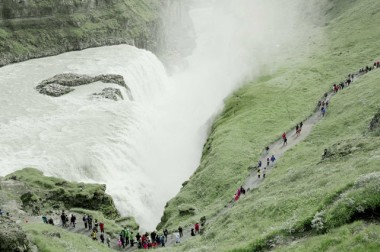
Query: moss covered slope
(302,189)
(40,193)
(30,29)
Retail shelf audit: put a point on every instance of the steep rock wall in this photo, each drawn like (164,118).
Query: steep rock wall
(38,28)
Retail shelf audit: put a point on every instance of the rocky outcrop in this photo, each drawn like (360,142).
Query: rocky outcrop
(39,193)
(12,237)
(54,90)
(110,93)
(62,84)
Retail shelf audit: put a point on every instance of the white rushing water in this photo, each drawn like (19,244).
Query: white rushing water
(142,149)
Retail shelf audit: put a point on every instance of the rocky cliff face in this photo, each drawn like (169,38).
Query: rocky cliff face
(38,28)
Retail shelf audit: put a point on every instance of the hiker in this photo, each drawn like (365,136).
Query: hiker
(196,226)
(96,224)
(1,212)
(236,197)
(285,141)
(192,232)
(51,222)
(44,218)
(153,236)
(93,235)
(180,230)
(297,129)
(242,190)
(323,111)
(273,159)
(85,221)
(238,192)
(267,150)
(139,244)
(122,237)
(267,161)
(73,219)
(327,103)
(102,238)
(284,137)
(162,240)
(63,218)
(108,240)
(264,172)
(89,221)
(131,239)
(101,226)
(258,173)
(166,234)
(177,238)
(259,164)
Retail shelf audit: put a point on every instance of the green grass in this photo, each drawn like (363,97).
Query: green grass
(358,236)
(255,115)
(67,26)
(68,242)
(51,192)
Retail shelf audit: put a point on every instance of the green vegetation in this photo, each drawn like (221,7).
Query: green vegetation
(303,195)
(50,238)
(358,236)
(46,193)
(44,28)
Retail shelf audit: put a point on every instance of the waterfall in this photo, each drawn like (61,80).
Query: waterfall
(142,149)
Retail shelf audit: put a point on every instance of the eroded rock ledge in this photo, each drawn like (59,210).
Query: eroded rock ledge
(62,84)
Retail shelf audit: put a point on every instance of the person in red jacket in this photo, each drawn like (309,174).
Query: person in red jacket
(196,227)
(101,225)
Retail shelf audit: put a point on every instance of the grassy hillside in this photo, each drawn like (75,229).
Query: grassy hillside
(30,29)
(301,186)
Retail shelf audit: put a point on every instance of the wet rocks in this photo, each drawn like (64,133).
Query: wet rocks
(62,84)
(110,93)
(54,90)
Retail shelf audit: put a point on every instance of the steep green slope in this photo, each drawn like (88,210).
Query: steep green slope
(30,29)
(255,115)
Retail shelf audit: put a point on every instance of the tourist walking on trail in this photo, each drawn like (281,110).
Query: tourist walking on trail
(264,172)
(273,159)
(73,219)
(268,161)
(196,227)
(177,238)
(63,218)
(89,221)
(85,221)
(284,138)
(192,233)
(297,129)
(323,111)
(108,240)
(180,230)
(123,235)
(267,150)
(259,164)
(101,226)
(166,234)
(258,173)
